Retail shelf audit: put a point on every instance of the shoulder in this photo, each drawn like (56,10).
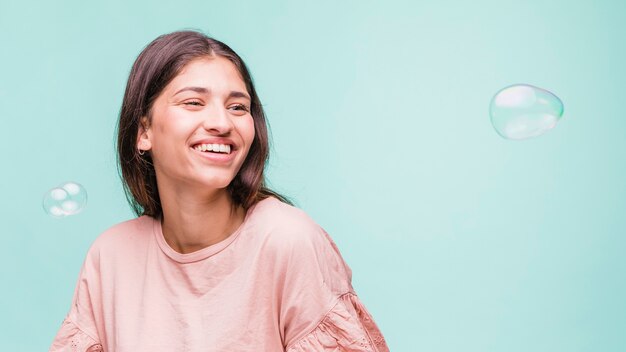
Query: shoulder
(303,248)
(286,225)
(118,237)
(279,214)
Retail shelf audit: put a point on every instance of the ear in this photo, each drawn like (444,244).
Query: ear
(144,135)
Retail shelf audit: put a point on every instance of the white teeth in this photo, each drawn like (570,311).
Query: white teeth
(220,148)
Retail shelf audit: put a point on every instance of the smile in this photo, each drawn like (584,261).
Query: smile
(213,156)
(213,148)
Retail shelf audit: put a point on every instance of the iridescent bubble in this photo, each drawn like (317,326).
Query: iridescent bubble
(523,111)
(78,197)
(52,201)
(68,198)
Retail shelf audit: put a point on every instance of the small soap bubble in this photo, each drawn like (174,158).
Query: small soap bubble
(523,111)
(70,206)
(52,201)
(69,198)
(78,197)
(72,188)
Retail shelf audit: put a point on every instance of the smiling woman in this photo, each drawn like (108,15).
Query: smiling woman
(214,261)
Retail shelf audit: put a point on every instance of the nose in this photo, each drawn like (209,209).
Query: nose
(217,119)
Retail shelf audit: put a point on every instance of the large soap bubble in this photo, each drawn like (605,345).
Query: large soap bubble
(69,198)
(523,111)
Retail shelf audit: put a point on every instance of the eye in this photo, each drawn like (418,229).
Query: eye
(193,103)
(240,107)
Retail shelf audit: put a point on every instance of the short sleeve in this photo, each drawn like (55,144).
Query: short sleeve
(79,332)
(71,339)
(348,327)
(320,310)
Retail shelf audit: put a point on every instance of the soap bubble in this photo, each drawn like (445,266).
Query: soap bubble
(78,197)
(523,111)
(68,198)
(52,201)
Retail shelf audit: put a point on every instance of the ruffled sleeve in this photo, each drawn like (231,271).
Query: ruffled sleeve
(348,327)
(319,309)
(72,339)
(79,331)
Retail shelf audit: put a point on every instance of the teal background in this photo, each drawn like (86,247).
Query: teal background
(458,239)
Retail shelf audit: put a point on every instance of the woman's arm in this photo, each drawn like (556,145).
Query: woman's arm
(78,332)
(320,310)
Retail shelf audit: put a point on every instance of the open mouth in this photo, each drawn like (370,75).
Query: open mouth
(214,148)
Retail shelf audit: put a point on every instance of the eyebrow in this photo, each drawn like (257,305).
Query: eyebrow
(232,94)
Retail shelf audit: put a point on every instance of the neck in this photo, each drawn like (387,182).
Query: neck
(193,221)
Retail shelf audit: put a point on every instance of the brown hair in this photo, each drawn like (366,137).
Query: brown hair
(158,63)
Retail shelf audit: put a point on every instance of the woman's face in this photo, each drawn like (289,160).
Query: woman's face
(201,128)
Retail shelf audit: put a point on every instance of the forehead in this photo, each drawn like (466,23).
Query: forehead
(216,73)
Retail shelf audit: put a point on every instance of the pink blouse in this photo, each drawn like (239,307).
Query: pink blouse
(278,283)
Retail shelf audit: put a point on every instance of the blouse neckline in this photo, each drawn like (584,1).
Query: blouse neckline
(205,252)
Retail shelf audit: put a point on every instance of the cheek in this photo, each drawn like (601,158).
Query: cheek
(174,123)
(247,129)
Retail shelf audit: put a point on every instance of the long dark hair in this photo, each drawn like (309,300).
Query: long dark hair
(158,63)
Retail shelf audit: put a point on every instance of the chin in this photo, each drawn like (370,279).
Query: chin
(217,183)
